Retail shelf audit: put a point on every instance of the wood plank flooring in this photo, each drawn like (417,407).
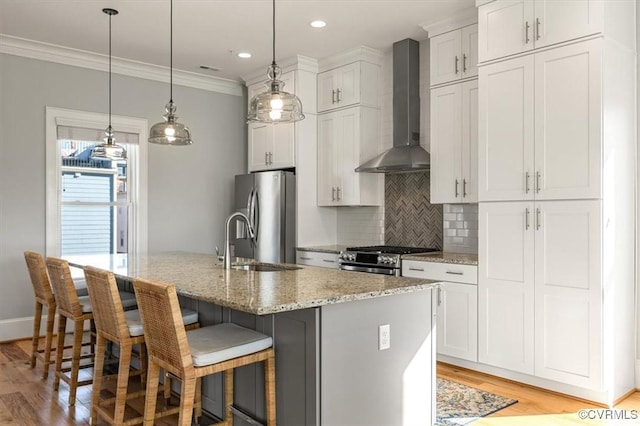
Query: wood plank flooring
(26,399)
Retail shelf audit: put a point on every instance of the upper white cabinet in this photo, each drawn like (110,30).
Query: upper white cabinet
(351,84)
(454,143)
(540,125)
(271,146)
(509,27)
(347,138)
(454,55)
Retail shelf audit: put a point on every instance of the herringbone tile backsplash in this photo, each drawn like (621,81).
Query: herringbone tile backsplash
(410,219)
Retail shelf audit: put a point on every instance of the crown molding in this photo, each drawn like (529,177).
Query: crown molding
(294,63)
(361,53)
(79,58)
(461,19)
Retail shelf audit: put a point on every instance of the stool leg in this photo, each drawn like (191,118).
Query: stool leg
(197,408)
(37,318)
(123,380)
(62,328)
(153,377)
(187,395)
(97,378)
(51,317)
(228,397)
(270,389)
(75,360)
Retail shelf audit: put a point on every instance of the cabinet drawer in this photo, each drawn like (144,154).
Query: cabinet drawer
(314,258)
(440,271)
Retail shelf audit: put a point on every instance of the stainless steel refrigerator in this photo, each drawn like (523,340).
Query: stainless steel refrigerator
(268,200)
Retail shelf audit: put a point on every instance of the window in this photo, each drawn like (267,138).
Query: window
(94,205)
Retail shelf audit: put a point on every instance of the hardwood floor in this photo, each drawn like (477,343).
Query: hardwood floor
(26,399)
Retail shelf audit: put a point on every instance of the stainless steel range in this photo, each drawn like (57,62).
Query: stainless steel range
(384,260)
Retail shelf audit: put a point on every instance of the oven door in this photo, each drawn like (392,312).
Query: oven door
(370,269)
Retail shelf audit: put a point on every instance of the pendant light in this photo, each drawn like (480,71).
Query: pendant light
(109,149)
(275,105)
(169,131)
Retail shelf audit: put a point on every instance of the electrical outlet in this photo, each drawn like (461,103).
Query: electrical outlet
(384,337)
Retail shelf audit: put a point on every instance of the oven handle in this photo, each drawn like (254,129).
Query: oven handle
(383,271)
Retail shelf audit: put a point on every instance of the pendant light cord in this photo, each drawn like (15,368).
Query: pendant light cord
(110,72)
(171,53)
(274,34)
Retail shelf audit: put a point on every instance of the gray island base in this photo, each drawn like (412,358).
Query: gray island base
(325,325)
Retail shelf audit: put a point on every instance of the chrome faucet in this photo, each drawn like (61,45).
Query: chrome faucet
(227,243)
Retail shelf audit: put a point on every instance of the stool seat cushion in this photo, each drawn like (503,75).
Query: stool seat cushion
(81,286)
(222,342)
(135,323)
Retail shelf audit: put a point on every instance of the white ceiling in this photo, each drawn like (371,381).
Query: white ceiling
(210,32)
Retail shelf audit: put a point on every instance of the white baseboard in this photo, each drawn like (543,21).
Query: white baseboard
(22,328)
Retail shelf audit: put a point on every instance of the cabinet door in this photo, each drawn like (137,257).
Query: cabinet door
(446,144)
(260,142)
(562,20)
(506,286)
(327,83)
(457,323)
(283,148)
(327,159)
(348,142)
(470,141)
(470,51)
(446,60)
(505,141)
(348,85)
(314,258)
(506,28)
(568,117)
(568,288)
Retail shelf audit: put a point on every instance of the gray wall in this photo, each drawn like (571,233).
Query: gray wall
(190,188)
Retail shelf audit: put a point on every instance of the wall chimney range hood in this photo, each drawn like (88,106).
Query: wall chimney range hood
(406,155)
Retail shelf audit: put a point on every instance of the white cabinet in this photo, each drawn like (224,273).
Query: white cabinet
(351,84)
(540,125)
(347,138)
(540,281)
(457,312)
(454,55)
(271,146)
(317,258)
(509,27)
(454,143)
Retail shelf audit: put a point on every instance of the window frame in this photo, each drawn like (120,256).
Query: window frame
(137,238)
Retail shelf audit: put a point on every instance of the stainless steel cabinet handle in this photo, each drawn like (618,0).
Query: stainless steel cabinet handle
(464,63)
(333,96)
(537,28)
(526,32)
(338,93)
(338,193)
(439,296)
(457,184)
(455,273)
(456,64)
(538,175)
(271,158)
(537,219)
(464,187)
(526,221)
(306,258)
(333,194)
(526,182)
(266,157)
(328,260)
(416,269)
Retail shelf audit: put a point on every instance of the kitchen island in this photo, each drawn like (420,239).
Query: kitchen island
(325,325)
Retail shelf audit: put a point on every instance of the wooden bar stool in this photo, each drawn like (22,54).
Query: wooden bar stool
(125,329)
(44,298)
(197,353)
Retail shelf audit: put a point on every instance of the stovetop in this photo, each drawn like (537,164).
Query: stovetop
(392,249)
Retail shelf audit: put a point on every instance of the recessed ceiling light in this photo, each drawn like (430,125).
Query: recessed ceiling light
(244,55)
(318,24)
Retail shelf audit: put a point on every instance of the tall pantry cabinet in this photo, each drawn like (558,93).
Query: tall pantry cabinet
(556,191)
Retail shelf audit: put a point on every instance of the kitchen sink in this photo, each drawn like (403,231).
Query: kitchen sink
(260,267)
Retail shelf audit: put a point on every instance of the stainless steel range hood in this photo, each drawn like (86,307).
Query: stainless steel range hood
(406,155)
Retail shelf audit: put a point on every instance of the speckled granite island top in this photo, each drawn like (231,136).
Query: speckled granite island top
(445,257)
(335,248)
(202,277)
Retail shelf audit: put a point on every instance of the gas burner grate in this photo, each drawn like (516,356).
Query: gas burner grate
(393,249)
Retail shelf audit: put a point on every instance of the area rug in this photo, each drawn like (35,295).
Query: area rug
(457,404)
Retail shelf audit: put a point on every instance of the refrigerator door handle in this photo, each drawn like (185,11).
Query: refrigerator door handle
(254,218)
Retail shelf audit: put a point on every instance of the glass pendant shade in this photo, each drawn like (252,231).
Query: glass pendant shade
(170,132)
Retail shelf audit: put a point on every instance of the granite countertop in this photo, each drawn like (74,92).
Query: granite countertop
(445,257)
(202,277)
(335,248)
